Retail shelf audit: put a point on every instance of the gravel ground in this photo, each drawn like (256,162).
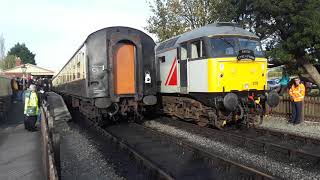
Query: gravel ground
(85,154)
(282,170)
(80,159)
(307,129)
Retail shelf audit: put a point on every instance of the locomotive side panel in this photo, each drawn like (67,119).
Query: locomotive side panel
(169,71)
(198,76)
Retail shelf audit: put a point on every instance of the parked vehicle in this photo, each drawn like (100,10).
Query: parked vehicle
(273,84)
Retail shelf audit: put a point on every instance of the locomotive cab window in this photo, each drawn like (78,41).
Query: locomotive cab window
(183,52)
(230,46)
(197,49)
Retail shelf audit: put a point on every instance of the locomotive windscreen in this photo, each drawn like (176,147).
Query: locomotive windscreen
(230,46)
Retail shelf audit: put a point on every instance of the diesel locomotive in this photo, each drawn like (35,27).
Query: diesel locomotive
(214,75)
(111,75)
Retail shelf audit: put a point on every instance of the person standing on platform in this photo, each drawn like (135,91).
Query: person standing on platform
(14,86)
(31,108)
(297,93)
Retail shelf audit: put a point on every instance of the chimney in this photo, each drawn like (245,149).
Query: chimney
(18,61)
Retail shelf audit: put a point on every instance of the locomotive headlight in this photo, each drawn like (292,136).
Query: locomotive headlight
(262,66)
(221,67)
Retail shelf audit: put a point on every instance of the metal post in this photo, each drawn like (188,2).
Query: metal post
(23,82)
(24,70)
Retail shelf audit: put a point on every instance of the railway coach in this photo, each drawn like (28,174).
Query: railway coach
(111,75)
(5,95)
(214,75)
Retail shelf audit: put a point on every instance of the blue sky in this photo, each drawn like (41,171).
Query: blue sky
(54,29)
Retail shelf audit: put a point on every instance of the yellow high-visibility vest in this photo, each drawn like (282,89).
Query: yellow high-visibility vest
(297,92)
(31,106)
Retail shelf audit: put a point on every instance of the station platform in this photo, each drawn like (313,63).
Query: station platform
(20,150)
(58,106)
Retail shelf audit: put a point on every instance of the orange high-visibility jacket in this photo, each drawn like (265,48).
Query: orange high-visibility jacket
(297,92)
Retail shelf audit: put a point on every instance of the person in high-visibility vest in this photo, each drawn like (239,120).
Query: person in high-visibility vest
(31,108)
(297,93)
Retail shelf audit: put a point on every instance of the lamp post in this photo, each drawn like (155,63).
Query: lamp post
(23,69)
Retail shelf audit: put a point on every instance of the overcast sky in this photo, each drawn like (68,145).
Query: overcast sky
(54,29)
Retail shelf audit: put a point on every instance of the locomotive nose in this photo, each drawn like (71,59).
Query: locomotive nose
(230,101)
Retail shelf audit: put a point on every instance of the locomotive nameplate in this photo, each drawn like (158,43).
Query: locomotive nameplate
(246,54)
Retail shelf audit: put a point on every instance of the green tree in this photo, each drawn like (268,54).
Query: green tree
(164,23)
(20,50)
(173,17)
(8,62)
(292,30)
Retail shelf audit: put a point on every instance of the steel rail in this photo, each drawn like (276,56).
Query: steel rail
(243,139)
(285,136)
(288,135)
(154,169)
(229,165)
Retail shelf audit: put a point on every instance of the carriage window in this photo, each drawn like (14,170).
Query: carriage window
(162,59)
(183,52)
(74,73)
(78,70)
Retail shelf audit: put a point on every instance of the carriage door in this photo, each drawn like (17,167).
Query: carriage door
(183,68)
(124,69)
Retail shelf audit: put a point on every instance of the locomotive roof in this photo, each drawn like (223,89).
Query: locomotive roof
(215,29)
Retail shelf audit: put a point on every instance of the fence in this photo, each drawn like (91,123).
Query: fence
(311,108)
(50,146)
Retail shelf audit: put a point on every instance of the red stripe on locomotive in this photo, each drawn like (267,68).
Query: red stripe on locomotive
(172,76)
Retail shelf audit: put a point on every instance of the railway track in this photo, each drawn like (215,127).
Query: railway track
(166,157)
(276,144)
(280,144)
(292,145)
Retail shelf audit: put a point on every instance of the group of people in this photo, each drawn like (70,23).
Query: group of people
(17,88)
(31,97)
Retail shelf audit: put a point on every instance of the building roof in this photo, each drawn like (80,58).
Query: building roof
(31,69)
